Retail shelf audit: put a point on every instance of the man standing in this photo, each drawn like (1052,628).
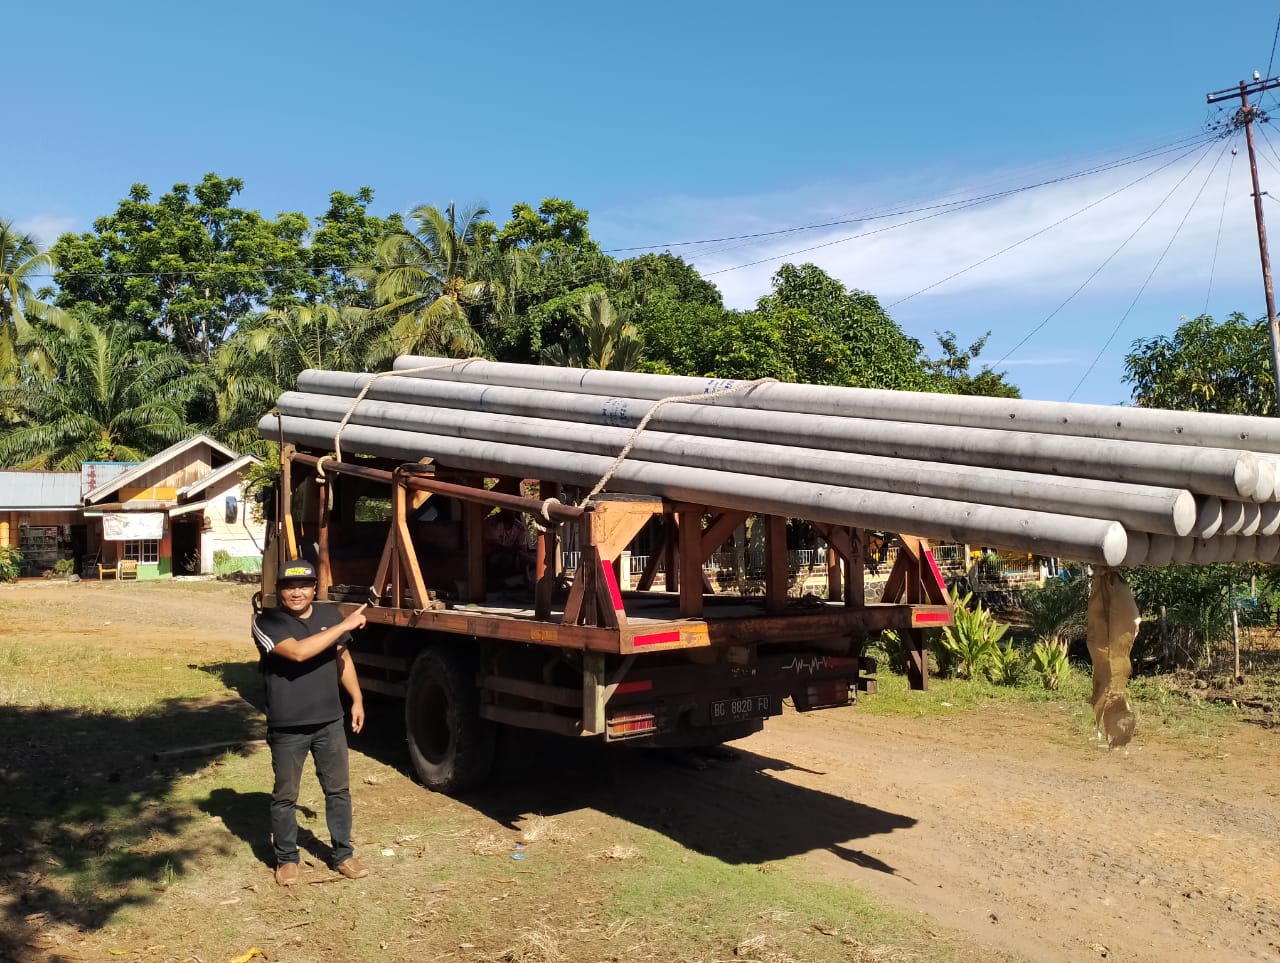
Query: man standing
(303,650)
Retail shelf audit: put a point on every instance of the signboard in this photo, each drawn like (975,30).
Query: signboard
(132,526)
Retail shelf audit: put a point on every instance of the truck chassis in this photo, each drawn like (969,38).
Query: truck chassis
(580,656)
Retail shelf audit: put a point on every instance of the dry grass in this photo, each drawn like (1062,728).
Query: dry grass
(616,853)
(540,829)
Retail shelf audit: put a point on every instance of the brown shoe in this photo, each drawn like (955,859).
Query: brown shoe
(287,874)
(352,869)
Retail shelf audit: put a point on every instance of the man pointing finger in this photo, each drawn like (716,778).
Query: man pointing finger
(302,647)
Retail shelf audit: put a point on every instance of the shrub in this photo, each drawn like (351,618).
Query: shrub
(1050,663)
(1057,613)
(1007,666)
(64,566)
(970,643)
(10,563)
(1197,601)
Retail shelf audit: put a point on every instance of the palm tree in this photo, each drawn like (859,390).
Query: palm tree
(435,281)
(21,260)
(605,340)
(110,397)
(266,355)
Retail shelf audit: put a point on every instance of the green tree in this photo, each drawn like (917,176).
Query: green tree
(951,372)
(186,268)
(556,262)
(267,353)
(1205,366)
(879,355)
(605,340)
(346,237)
(21,262)
(439,281)
(111,397)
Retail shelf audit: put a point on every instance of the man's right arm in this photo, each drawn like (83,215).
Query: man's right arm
(299,650)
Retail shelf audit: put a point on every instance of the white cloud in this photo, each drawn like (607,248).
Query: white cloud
(1040,271)
(47,228)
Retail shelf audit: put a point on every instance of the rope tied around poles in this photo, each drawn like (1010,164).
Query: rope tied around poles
(363,392)
(644,423)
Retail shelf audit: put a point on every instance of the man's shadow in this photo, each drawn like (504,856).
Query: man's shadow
(248,815)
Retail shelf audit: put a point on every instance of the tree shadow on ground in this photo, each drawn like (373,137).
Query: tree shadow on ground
(723,802)
(84,830)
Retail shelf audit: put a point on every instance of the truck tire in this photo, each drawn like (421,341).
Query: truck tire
(450,746)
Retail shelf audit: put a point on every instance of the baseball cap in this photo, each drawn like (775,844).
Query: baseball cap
(297,571)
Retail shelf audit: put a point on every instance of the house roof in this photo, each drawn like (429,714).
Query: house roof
(173,451)
(211,479)
(36,490)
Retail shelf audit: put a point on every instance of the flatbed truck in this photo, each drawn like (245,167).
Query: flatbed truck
(576,653)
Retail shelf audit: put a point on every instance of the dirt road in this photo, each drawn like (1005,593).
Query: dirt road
(1034,841)
(1004,822)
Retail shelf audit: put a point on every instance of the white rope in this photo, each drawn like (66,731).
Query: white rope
(644,422)
(360,396)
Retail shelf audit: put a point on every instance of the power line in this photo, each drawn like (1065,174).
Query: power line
(1217,242)
(854,218)
(1271,60)
(1098,270)
(1155,267)
(1043,230)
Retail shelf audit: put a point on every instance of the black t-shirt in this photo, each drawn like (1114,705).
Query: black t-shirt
(299,693)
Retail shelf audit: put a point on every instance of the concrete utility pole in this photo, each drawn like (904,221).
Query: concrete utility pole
(1244,117)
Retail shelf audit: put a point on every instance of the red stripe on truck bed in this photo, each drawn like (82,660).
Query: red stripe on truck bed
(655,638)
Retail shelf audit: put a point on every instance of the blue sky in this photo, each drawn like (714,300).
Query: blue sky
(675,122)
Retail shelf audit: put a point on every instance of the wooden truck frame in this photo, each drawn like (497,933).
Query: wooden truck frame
(682,666)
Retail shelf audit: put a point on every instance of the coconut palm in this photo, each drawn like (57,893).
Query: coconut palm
(110,397)
(21,260)
(435,281)
(605,340)
(266,355)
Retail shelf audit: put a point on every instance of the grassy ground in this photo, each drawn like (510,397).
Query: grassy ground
(107,852)
(110,852)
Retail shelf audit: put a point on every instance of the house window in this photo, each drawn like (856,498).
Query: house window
(142,549)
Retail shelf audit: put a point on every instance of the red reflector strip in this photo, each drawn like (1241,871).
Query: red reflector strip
(656,638)
(632,724)
(611,582)
(939,582)
(638,685)
(930,618)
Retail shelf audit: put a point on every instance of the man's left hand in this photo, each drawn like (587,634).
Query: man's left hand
(357,716)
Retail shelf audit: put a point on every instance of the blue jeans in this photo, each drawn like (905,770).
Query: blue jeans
(327,745)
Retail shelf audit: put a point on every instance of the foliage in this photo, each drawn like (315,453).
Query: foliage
(186,268)
(64,566)
(10,563)
(268,352)
(21,262)
(1205,366)
(972,640)
(880,355)
(950,373)
(604,339)
(439,282)
(1196,604)
(1057,613)
(1049,661)
(1006,666)
(895,648)
(111,397)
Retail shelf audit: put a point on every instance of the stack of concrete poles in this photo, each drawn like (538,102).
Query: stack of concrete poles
(1099,484)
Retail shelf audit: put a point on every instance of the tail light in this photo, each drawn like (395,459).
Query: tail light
(631,724)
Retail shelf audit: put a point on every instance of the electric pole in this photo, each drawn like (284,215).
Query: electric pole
(1244,117)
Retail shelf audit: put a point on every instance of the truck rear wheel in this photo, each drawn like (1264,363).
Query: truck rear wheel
(450,746)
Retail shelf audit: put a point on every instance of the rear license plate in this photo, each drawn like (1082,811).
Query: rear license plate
(742,707)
